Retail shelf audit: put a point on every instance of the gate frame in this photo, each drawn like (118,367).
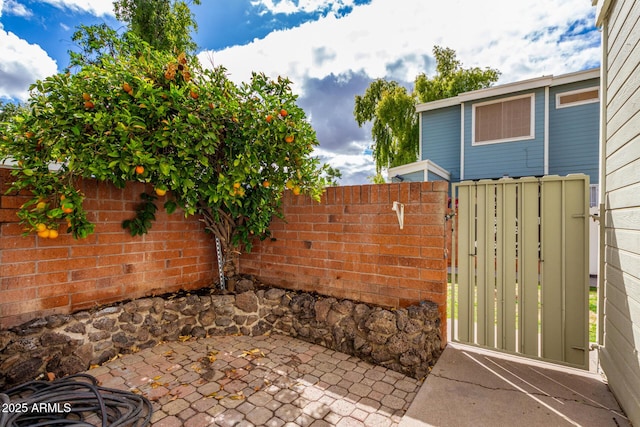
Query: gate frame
(558,301)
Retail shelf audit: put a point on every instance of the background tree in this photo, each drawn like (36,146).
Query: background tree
(451,79)
(391,107)
(164,24)
(332,176)
(201,143)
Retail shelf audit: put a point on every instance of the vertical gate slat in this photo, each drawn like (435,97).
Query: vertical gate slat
(528,262)
(490,264)
(466,203)
(576,271)
(500,265)
(481,264)
(509,266)
(552,244)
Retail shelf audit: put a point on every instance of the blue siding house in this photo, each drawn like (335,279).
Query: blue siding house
(542,126)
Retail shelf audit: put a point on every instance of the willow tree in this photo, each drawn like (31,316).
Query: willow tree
(391,107)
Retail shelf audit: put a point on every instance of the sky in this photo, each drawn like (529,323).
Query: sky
(330,49)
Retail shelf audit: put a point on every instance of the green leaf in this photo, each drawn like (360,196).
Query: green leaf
(165,169)
(170,206)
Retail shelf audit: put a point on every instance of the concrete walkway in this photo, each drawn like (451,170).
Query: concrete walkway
(268,381)
(473,387)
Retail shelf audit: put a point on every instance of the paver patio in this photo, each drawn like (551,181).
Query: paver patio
(269,381)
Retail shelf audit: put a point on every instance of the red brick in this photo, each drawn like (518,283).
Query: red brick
(54,302)
(66,264)
(18,295)
(17,269)
(21,255)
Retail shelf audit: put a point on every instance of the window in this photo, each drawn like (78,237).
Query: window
(577,97)
(509,119)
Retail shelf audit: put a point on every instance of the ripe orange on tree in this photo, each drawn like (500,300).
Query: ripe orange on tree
(283,113)
(67,208)
(296,190)
(288,139)
(127,87)
(160,191)
(193,94)
(139,169)
(53,234)
(86,96)
(266,184)
(89,105)
(44,234)
(269,118)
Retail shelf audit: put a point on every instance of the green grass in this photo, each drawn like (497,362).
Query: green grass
(593,313)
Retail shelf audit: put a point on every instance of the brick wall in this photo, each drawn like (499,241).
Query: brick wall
(42,276)
(350,245)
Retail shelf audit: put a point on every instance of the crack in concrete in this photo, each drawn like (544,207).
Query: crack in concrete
(537,394)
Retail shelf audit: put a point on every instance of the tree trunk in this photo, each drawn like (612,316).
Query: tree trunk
(223,229)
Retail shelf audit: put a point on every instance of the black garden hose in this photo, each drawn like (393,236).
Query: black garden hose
(76,400)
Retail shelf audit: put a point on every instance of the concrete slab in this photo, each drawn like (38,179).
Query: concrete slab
(474,387)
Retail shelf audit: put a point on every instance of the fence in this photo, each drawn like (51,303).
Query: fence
(39,277)
(349,245)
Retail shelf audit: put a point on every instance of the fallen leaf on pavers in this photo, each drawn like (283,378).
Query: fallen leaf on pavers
(212,356)
(51,376)
(210,395)
(184,338)
(157,377)
(135,390)
(168,353)
(196,368)
(94,366)
(256,352)
(135,349)
(237,396)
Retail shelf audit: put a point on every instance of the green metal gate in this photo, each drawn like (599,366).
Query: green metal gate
(522,254)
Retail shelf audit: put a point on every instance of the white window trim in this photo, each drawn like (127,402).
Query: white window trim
(532,135)
(573,92)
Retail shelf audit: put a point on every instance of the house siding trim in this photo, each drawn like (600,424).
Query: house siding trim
(546,131)
(461,141)
(425,166)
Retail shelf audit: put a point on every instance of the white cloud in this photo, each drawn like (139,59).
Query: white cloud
(12,7)
(23,64)
(523,39)
(95,7)
(307,6)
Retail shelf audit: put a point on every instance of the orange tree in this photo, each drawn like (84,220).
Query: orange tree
(223,151)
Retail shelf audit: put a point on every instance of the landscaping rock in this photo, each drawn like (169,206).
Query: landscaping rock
(407,340)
